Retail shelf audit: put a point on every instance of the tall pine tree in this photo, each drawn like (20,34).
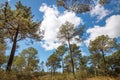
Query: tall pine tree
(17,25)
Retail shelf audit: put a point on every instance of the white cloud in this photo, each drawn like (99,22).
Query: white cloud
(112,29)
(99,11)
(52,20)
(84,53)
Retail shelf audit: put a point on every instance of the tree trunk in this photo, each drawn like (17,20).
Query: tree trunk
(51,72)
(95,71)
(10,61)
(72,62)
(104,62)
(62,65)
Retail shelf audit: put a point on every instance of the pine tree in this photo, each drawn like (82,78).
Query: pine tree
(17,25)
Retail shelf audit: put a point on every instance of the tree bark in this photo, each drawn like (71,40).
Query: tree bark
(62,65)
(72,62)
(104,62)
(51,71)
(10,61)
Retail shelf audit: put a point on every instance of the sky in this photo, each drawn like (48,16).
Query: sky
(101,20)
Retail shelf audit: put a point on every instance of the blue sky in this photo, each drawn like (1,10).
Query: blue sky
(100,20)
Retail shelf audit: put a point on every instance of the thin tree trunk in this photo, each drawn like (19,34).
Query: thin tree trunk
(10,61)
(72,62)
(51,71)
(95,71)
(62,64)
(104,62)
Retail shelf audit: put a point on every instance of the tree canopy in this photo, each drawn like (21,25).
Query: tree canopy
(79,6)
(102,45)
(17,25)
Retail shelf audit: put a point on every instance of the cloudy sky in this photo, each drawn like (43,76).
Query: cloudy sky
(101,20)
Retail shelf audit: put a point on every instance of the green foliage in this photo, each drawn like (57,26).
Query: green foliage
(67,64)
(2,50)
(19,63)
(103,1)
(81,75)
(61,50)
(68,31)
(20,18)
(8,76)
(96,64)
(17,25)
(76,54)
(83,63)
(79,6)
(53,63)
(65,35)
(76,57)
(114,63)
(102,45)
(27,60)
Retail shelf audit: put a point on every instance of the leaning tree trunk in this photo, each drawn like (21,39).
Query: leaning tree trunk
(10,61)
(72,62)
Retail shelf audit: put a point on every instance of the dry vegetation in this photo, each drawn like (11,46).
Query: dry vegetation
(71,78)
(16,76)
(18,24)
(101,78)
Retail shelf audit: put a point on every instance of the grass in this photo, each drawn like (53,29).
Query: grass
(101,78)
(66,76)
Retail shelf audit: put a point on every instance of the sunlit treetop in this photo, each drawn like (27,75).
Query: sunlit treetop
(79,6)
(20,19)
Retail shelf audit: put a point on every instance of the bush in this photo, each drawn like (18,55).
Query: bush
(81,75)
(8,75)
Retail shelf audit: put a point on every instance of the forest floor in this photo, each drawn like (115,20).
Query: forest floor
(69,78)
